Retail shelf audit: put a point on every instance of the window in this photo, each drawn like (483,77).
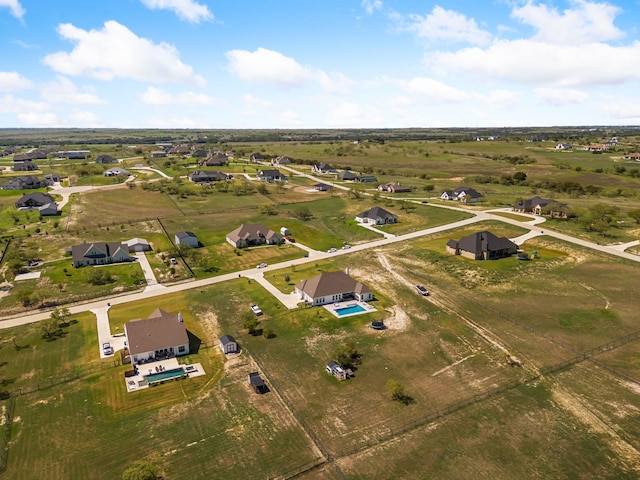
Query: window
(181,349)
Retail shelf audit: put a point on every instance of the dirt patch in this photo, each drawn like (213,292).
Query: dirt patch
(585,414)
(398,319)
(308,190)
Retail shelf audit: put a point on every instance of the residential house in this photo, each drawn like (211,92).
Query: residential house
(271,176)
(74,154)
(28,182)
(116,172)
(49,210)
(393,187)
(280,161)
(183,149)
(162,335)
(329,287)
(632,156)
(138,245)
(323,168)
(257,383)
(376,216)
(250,235)
(228,344)
(322,187)
(51,178)
(207,176)
(366,178)
(34,200)
(100,253)
(482,246)
(217,159)
(33,155)
(199,153)
(158,154)
(105,159)
(346,176)
(257,157)
(462,194)
(564,146)
(187,238)
(24,166)
(535,205)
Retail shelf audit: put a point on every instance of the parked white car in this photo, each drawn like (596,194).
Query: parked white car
(332,250)
(261,265)
(107,349)
(256,309)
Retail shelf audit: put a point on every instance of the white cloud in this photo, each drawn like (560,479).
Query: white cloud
(586,22)
(502,98)
(84,119)
(34,119)
(449,26)
(185,9)
(271,67)
(371,5)
(14,6)
(157,96)
(11,104)
(251,101)
(116,52)
(627,109)
(12,81)
(435,90)
(560,96)
(63,90)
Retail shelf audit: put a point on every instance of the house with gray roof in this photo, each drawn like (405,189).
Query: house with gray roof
(272,175)
(393,187)
(162,335)
(376,216)
(207,176)
(346,176)
(100,253)
(482,246)
(34,200)
(105,159)
(186,238)
(249,235)
(329,287)
(24,166)
(228,344)
(536,205)
(323,168)
(28,182)
(217,159)
(462,194)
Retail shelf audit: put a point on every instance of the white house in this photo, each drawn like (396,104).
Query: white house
(162,335)
(329,287)
(228,344)
(376,216)
(99,253)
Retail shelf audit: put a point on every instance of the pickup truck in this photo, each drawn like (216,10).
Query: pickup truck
(421,290)
(256,309)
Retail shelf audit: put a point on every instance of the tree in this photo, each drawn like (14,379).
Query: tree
(251,324)
(141,470)
(347,355)
(60,315)
(635,214)
(268,333)
(519,177)
(303,213)
(98,276)
(267,209)
(396,391)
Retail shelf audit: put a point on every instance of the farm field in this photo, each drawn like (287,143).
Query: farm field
(511,368)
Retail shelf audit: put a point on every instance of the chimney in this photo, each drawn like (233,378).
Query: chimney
(180,317)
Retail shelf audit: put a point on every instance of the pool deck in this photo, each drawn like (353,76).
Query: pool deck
(137,382)
(332,307)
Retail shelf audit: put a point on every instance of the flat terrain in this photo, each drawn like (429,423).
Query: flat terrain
(511,368)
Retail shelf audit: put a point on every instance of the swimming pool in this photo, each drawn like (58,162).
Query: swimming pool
(166,375)
(351,309)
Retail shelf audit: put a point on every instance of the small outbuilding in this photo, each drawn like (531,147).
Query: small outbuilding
(256,381)
(138,245)
(333,368)
(228,344)
(187,238)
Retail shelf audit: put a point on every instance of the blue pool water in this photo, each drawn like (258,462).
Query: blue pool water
(166,375)
(349,310)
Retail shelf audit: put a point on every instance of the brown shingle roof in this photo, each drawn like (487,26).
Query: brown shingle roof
(331,283)
(161,330)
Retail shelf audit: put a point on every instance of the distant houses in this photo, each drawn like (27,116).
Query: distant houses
(538,206)
(250,235)
(482,246)
(330,287)
(27,182)
(99,253)
(217,159)
(272,175)
(393,187)
(43,202)
(323,168)
(105,159)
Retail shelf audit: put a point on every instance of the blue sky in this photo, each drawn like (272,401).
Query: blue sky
(318,64)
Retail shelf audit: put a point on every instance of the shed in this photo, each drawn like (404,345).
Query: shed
(138,245)
(256,381)
(285,231)
(187,238)
(333,368)
(228,344)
